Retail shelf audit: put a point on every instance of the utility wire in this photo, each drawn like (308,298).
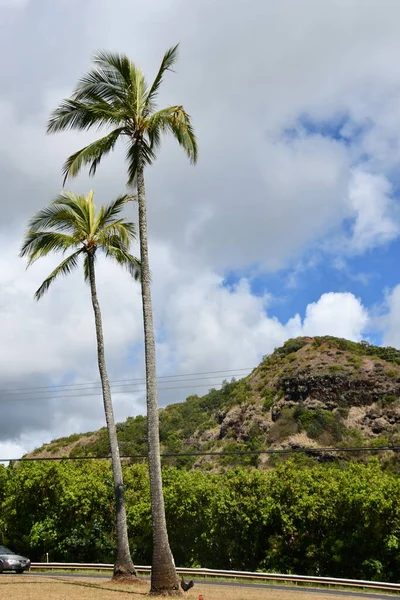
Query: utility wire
(118,385)
(86,394)
(178,376)
(222,453)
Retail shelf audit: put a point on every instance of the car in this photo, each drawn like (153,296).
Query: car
(9,561)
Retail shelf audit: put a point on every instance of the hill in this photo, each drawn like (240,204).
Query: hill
(310,393)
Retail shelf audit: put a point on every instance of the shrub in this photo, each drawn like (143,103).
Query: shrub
(284,427)
(336,368)
(319,421)
(268,399)
(393,373)
(290,346)
(355,360)
(388,399)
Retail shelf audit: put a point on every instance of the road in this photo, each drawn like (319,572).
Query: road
(265,586)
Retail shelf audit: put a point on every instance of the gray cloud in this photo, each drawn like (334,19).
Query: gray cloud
(258,196)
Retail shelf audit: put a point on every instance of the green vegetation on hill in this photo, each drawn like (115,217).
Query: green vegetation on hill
(386,353)
(311,392)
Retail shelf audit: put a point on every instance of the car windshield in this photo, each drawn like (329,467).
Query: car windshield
(4,550)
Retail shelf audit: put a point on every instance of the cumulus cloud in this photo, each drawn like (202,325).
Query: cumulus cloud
(232,326)
(339,314)
(207,325)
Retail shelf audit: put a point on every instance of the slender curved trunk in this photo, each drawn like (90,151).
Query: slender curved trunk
(163,574)
(123,565)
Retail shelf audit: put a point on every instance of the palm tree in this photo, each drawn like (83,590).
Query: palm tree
(115,95)
(72,223)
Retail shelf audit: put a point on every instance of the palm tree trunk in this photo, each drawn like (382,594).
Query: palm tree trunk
(123,565)
(163,574)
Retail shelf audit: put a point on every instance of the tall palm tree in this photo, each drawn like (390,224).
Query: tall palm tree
(71,222)
(115,95)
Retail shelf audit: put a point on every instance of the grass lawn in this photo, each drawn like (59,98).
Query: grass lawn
(24,587)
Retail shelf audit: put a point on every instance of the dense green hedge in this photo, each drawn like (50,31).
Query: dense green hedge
(313,520)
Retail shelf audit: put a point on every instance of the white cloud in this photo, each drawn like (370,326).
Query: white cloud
(338,314)
(10,450)
(277,197)
(57,333)
(377,216)
(391,320)
(298,196)
(207,325)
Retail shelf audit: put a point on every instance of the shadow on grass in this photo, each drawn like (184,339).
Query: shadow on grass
(84,584)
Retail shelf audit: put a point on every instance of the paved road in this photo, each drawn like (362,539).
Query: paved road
(264,586)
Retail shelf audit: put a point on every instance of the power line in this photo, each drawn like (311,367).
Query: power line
(130,391)
(52,388)
(221,453)
(123,385)
(117,388)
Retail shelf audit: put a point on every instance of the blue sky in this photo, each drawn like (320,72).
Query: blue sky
(367,276)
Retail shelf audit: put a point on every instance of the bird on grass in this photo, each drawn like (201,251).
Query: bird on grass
(186,585)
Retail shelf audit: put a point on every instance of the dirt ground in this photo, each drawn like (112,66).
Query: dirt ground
(24,587)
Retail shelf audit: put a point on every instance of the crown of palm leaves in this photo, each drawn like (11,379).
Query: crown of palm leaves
(71,222)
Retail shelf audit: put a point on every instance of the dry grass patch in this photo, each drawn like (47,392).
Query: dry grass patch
(58,588)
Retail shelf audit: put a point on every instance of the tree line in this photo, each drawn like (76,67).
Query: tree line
(340,521)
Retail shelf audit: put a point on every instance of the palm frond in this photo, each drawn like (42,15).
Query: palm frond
(79,207)
(169,59)
(86,270)
(183,130)
(114,65)
(111,211)
(56,216)
(138,152)
(116,72)
(121,255)
(138,97)
(91,154)
(91,213)
(154,134)
(103,83)
(64,268)
(72,114)
(177,121)
(121,230)
(38,244)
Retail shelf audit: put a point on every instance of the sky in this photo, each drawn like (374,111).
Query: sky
(288,225)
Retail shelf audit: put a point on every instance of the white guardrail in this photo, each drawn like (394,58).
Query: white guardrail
(382,585)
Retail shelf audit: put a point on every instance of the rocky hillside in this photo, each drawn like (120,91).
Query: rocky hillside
(311,393)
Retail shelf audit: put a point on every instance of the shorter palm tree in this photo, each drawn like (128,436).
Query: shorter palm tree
(71,222)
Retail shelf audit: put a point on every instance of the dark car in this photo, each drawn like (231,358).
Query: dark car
(9,561)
